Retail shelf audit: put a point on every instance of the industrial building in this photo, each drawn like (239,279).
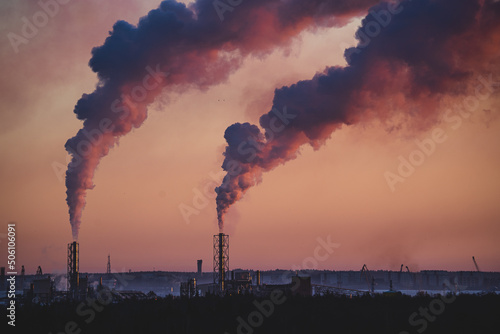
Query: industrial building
(226,282)
(41,288)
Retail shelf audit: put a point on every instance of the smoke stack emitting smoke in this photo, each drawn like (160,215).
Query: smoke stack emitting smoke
(178,47)
(429,50)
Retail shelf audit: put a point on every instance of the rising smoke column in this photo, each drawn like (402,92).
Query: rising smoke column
(428,52)
(178,47)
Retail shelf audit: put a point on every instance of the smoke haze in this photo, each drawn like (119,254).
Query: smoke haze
(414,59)
(178,47)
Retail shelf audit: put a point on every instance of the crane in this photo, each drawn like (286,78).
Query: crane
(369,278)
(475,264)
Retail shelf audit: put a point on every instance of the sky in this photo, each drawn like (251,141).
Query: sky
(443,212)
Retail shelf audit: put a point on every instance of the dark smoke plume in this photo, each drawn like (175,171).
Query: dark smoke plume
(178,47)
(412,58)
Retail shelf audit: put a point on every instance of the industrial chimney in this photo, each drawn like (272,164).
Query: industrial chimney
(73,270)
(221,260)
(200,263)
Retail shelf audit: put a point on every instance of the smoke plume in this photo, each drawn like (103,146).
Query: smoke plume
(178,47)
(413,59)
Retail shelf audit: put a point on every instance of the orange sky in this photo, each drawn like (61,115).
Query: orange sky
(444,213)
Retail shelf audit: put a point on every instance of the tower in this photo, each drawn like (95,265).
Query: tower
(221,260)
(108,267)
(200,264)
(73,270)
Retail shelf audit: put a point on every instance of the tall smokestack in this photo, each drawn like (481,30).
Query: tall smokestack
(108,266)
(221,260)
(73,276)
(200,264)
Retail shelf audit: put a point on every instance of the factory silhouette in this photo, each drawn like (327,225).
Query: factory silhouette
(78,286)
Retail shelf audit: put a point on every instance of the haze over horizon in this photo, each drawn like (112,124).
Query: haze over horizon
(445,211)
